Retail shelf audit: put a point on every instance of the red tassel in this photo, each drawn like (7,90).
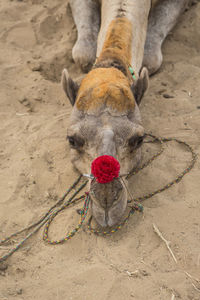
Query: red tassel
(105,168)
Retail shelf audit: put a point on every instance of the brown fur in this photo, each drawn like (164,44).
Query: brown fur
(105,87)
(118,40)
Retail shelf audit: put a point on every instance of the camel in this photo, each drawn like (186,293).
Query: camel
(113,35)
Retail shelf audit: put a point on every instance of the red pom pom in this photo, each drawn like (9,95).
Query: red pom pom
(105,168)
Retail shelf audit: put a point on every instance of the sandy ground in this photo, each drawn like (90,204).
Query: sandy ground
(36,38)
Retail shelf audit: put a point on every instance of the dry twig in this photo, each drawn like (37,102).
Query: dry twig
(195,279)
(196,288)
(173,297)
(19,114)
(60,116)
(167,243)
(192,277)
(130,274)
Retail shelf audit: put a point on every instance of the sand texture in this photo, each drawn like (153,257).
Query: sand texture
(36,40)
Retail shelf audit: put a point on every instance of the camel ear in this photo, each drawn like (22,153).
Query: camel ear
(70,86)
(141,85)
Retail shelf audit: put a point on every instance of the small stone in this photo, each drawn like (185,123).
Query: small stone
(198,107)
(3,266)
(36,56)
(144,273)
(19,291)
(161,91)
(167,96)
(24,101)
(36,68)
(39,99)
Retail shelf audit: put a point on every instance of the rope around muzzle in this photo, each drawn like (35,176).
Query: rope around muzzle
(60,205)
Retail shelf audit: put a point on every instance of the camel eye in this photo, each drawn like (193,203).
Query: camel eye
(71,141)
(75,141)
(135,142)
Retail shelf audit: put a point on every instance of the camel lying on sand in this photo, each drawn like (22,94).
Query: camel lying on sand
(105,119)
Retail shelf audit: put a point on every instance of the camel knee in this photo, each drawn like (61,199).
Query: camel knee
(84,53)
(153,59)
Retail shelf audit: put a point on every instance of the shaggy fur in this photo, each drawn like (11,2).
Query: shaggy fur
(118,41)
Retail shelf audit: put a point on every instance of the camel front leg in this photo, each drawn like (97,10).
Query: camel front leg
(86,14)
(162,19)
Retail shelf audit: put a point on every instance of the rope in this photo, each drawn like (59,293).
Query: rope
(48,217)
(44,218)
(137,206)
(71,233)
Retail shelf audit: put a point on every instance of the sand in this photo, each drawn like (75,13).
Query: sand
(36,39)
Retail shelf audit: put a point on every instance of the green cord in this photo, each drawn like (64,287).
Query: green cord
(132,72)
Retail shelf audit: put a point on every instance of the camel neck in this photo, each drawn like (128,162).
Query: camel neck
(118,42)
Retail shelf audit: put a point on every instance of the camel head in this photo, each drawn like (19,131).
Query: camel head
(105,120)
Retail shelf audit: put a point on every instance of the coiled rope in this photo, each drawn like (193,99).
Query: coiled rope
(48,217)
